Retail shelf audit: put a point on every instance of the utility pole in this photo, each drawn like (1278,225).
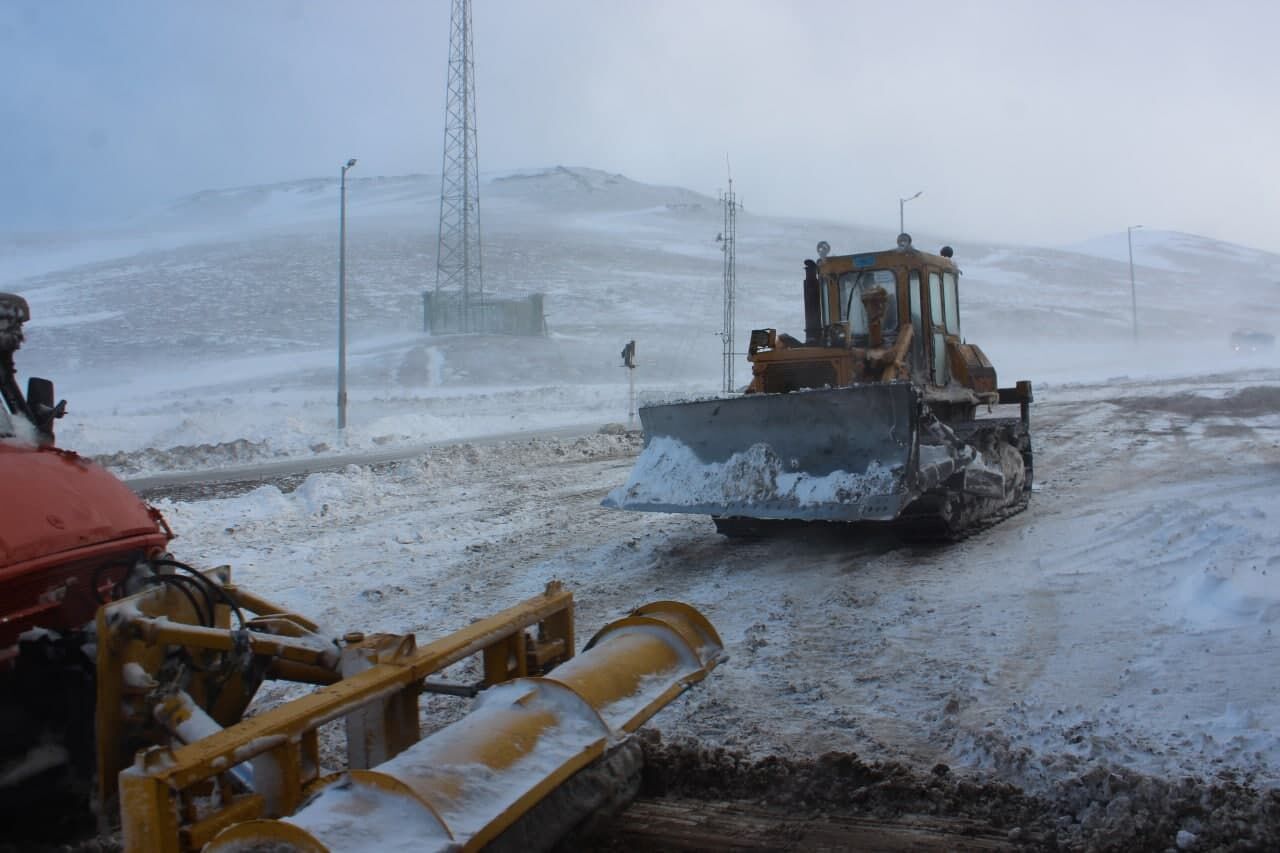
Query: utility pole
(1133,288)
(728,239)
(902,202)
(342,296)
(458,267)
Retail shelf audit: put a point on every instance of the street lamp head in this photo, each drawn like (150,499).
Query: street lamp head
(1134,227)
(902,203)
(351,162)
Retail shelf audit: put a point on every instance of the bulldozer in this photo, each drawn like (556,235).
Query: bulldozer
(882,413)
(127,679)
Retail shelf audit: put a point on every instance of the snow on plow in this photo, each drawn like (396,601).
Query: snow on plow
(855,453)
(527,741)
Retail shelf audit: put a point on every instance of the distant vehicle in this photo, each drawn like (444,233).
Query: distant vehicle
(1246,340)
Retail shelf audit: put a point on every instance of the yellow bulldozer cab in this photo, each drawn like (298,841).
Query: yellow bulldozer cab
(876,316)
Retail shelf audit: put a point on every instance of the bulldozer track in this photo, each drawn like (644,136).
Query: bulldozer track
(931,529)
(926,520)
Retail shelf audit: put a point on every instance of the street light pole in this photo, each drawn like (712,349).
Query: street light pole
(902,202)
(1133,288)
(342,298)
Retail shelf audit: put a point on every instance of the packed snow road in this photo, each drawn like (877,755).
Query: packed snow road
(1126,621)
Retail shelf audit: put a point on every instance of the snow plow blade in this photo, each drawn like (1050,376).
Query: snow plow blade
(463,787)
(855,453)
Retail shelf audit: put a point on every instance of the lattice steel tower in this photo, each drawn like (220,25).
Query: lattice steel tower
(458,269)
(728,245)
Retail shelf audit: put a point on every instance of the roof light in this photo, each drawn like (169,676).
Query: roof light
(904,241)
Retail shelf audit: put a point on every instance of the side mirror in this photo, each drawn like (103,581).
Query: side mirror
(39,394)
(40,403)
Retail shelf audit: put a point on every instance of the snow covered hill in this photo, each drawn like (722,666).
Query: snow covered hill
(213,319)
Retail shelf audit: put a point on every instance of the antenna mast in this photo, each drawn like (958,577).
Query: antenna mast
(728,245)
(458,268)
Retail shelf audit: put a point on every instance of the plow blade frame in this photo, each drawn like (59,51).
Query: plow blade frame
(834,454)
(527,739)
(461,787)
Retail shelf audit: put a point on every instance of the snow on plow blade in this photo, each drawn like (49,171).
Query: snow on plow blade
(835,454)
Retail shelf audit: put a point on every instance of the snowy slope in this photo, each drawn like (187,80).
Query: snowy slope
(213,319)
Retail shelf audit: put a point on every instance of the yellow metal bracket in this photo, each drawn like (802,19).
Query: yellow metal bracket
(175,798)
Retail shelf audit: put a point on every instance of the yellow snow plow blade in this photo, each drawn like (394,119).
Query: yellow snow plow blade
(459,788)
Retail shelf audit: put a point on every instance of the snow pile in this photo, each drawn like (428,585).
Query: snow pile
(669,473)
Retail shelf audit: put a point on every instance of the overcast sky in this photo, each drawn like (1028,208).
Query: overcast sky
(1033,122)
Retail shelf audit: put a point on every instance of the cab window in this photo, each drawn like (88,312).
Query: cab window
(935,301)
(952,302)
(853,285)
(917,317)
